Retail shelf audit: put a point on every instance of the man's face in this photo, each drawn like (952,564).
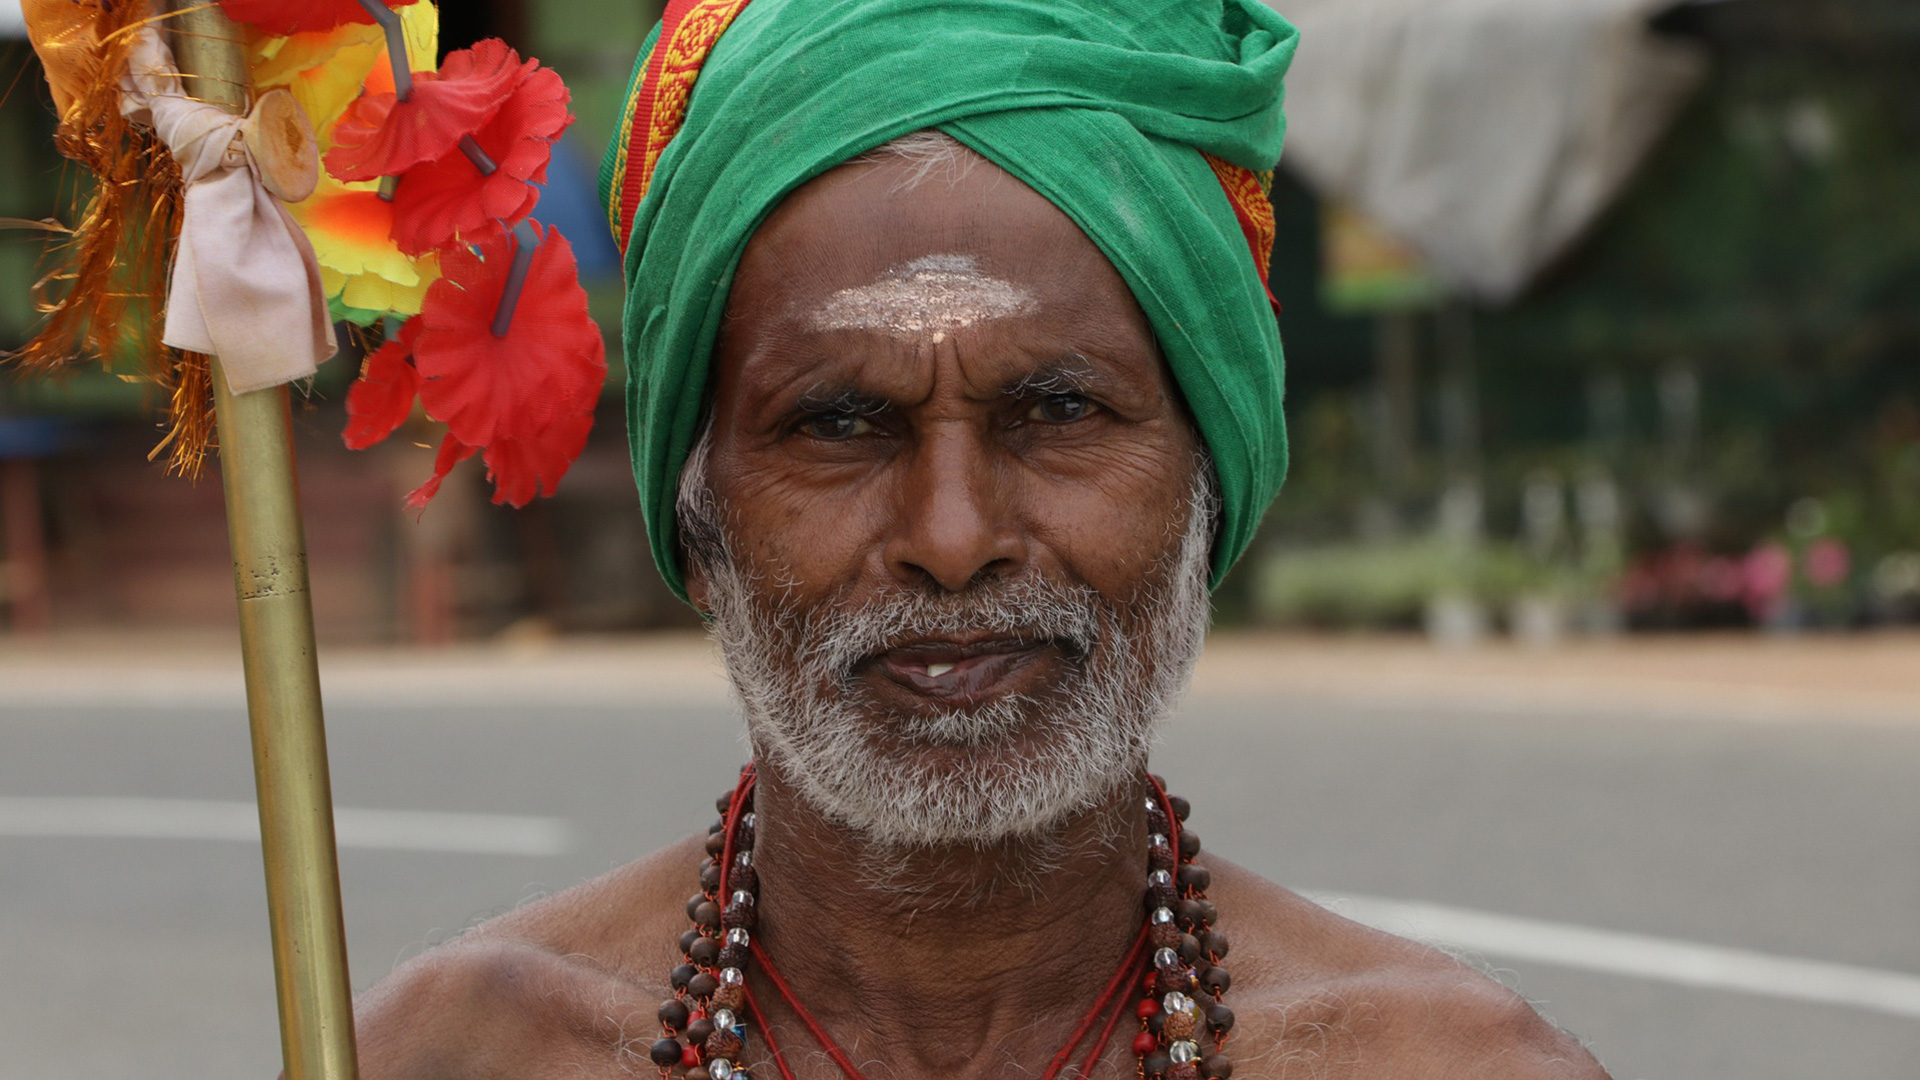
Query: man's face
(957,569)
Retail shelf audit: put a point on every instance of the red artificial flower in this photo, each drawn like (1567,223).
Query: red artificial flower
(524,469)
(525,398)
(550,364)
(521,470)
(449,196)
(452,452)
(283,17)
(380,135)
(382,398)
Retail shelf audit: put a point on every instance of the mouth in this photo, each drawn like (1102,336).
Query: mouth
(969,671)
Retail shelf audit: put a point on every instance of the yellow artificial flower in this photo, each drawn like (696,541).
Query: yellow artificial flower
(350,227)
(325,70)
(365,276)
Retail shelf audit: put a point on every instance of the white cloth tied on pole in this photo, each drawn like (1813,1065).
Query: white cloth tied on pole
(245,285)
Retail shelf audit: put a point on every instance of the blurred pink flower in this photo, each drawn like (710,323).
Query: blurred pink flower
(1828,562)
(1768,570)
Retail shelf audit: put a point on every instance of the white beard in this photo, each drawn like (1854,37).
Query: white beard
(1012,767)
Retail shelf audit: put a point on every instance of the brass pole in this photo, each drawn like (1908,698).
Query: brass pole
(277,648)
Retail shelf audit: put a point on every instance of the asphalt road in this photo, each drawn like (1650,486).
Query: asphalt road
(1776,839)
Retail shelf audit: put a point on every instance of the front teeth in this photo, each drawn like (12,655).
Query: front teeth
(934,671)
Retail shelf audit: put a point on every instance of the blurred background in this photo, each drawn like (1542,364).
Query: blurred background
(1591,607)
(1601,316)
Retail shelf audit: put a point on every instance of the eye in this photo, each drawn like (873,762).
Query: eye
(835,426)
(1061,408)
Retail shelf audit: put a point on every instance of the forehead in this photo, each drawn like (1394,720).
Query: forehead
(890,247)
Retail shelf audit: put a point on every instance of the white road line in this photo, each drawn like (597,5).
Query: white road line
(1635,955)
(1661,959)
(200,819)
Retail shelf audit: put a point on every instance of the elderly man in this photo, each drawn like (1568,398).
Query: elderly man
(954,385)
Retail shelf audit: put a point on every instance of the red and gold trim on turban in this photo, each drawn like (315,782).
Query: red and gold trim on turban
(1251,194)
(689,29)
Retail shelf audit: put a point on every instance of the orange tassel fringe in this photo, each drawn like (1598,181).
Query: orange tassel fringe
(104,295)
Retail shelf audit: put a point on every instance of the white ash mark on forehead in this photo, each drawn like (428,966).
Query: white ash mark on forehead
(930,295)
(952,264)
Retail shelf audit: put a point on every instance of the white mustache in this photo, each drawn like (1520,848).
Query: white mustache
(1027,609)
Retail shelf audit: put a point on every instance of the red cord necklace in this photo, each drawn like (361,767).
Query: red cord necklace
(1120,980)
(710,990)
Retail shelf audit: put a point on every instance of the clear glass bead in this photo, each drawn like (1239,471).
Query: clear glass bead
(1151,805)
(1161,916)
(747,819)
(739,936)
(724,1020)
(1160,878)
(720,1069)
(731,977)
(1166,958)
(1157,840)
(1181,1052)
(743,858)
(742,896)
(1176,1002)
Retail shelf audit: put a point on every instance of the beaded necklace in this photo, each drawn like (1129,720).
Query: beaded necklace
(1174,963)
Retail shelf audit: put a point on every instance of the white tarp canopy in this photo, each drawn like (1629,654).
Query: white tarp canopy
(1485,134)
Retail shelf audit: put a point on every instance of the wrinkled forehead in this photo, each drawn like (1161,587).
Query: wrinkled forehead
(899,242)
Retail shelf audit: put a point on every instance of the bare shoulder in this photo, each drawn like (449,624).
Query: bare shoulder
(566,986)
(629,918)
(1318,993)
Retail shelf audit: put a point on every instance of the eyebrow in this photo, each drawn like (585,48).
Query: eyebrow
(1068,376)
(841,399)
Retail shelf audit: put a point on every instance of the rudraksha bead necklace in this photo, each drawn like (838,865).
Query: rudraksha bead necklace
(1175,962)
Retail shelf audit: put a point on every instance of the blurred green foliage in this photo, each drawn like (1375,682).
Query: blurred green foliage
(1768,251)
(1390,584)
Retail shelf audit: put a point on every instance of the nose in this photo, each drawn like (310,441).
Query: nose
(956,521)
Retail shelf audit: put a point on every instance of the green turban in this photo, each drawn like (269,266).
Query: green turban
(1153,124)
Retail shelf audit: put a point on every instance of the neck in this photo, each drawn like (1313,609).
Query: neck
(947,960)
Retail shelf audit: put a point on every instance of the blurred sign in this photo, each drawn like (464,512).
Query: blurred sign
(1365,270)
